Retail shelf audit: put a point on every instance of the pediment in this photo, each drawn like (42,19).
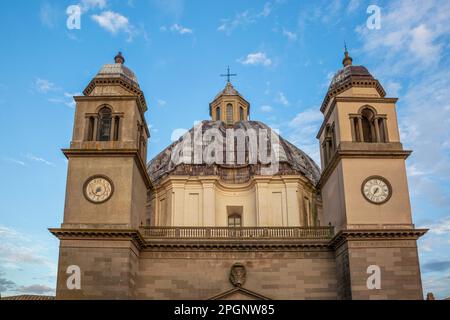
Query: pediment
(239,293)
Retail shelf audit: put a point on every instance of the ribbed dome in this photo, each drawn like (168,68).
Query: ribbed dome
(350,71)
(229,90)
(291,159)
(117,70)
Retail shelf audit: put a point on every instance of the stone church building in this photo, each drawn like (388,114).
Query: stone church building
(231,210)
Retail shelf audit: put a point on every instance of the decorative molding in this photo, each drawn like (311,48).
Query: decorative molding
(375,234)
(228,293)
(99,234)
(350,83)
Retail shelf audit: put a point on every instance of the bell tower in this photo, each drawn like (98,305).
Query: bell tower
(364,188)
(107,185)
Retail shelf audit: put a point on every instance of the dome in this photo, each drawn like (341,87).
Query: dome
(117,70)
(292,161)
(229,90)
(350,72)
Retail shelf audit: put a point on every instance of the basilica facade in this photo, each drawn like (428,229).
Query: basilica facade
(232,210)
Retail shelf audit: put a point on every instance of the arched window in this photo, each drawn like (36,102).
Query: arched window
(218,114)
(229,113)
(241,114)
(234,220)
(104,124)
(367,125)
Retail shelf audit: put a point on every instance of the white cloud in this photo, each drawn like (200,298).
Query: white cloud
(39,159)
(16,161)
(161,103)
(256,58)
(422,43)
(243,19)
(302,130)
(177,133)
(353,5)
(48,15)
(409,36)
(292,36)
(281,98)
(266,108)
(180,29)
(267,9)
(16,249)
(393,88)
(112,21)
(35,289)
(44,86)
(306,117)
(172,8)
(66,100)
(87,5)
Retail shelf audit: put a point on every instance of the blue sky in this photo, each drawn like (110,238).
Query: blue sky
(284,53)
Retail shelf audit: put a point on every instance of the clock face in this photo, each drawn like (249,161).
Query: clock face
(98,189)
(376,189)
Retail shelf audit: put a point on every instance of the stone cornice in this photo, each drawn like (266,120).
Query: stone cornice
(122,82)
(113,153)
(350,83)
(236,245)
(375,234)
(359,154)
(99,234)
(208,244)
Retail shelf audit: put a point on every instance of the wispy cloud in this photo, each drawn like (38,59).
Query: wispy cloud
(16,161)
(172,8)
(244,18)
(256,58)
(48,14)
(266,108)
(302,130)
(87,5)
(161,103)
(353,5)
(282,99)
(292,36)
(44,86)
(39,159)
(35,289)
(16,249)
(177,28)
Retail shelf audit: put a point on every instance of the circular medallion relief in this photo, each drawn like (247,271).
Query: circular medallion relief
(376,189)
(98,189)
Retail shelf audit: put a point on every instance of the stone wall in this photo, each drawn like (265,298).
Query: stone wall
(399,266)
(204,274)
(108,269)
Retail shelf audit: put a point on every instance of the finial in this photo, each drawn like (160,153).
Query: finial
(119,58)
(228,75)
(347,59)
